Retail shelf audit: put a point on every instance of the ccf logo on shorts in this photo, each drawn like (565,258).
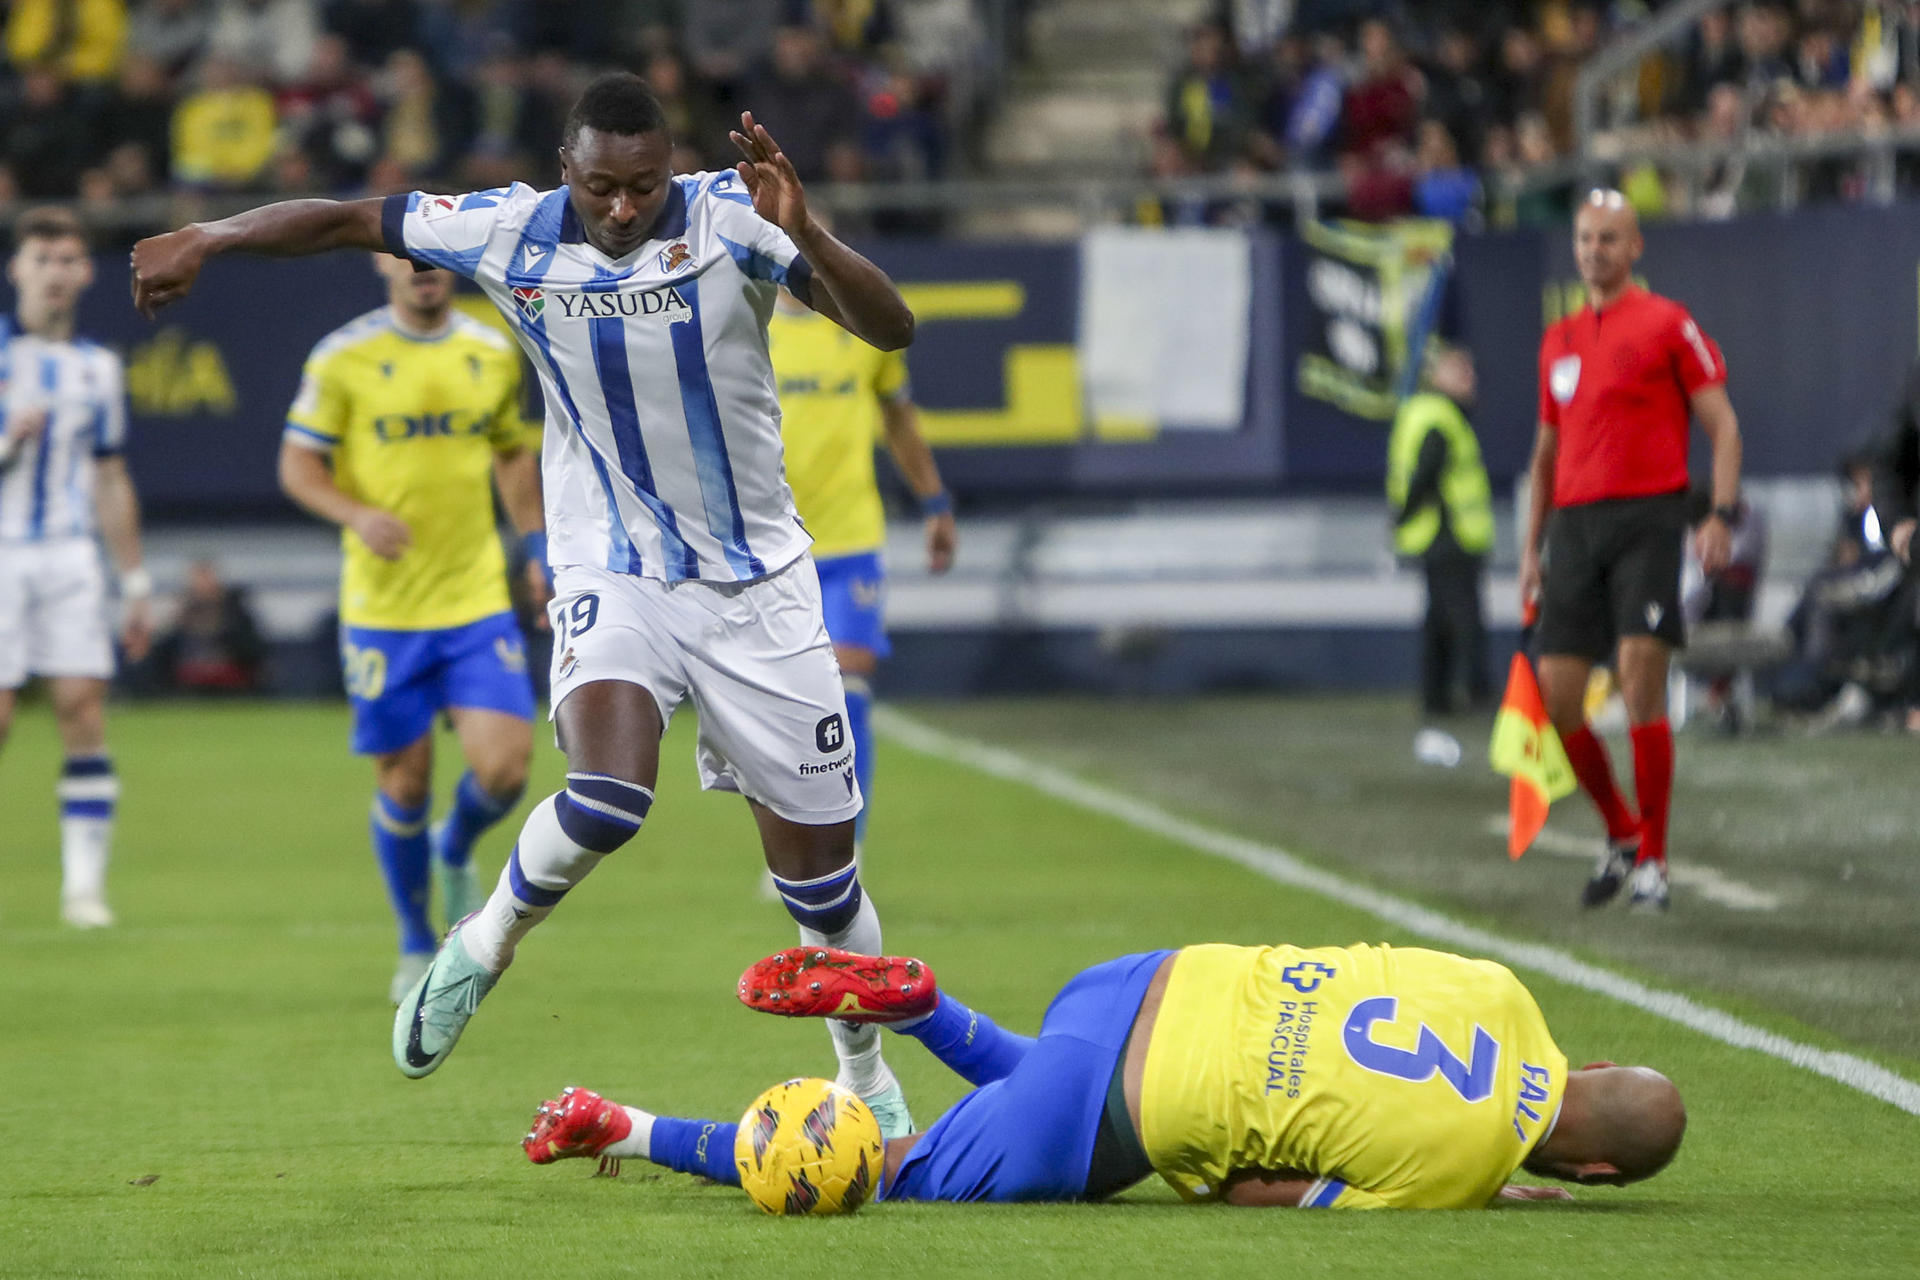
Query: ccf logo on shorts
(830,734)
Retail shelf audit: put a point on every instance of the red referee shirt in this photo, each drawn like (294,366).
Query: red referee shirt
(1616,385)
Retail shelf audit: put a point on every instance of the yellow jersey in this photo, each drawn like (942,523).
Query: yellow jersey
(412,426)
(1397,1077)
(831,388)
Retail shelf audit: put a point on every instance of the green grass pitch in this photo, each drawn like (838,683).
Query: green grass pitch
(206,1090)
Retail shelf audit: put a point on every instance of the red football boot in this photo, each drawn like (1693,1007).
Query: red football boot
(825,982)
(577,1123)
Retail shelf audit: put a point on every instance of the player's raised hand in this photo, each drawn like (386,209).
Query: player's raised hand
(770,177)
(385,534)
(165,267)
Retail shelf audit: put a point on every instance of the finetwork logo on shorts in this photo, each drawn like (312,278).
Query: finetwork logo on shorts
(830,734)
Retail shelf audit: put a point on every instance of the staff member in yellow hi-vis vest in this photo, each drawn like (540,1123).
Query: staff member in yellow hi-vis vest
(1443,516)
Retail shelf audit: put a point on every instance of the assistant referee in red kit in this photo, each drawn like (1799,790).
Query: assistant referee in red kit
(1619,380)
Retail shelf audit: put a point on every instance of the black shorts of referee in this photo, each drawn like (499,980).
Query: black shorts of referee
(1612,569)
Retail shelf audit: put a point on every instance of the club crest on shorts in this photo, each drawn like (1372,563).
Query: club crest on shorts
(511,655)
(567,662)
(1654,614)
(830,734)
(1563,378)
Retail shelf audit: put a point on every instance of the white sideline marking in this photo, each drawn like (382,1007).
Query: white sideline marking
(1709,882)
(1276,864)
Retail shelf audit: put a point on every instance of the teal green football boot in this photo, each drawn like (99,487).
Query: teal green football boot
(430,1019)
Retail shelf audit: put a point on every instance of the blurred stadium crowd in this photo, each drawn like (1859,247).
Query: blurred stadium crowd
(1418,104)
(110,100)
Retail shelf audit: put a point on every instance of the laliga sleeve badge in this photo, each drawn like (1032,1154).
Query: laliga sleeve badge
(1563,378)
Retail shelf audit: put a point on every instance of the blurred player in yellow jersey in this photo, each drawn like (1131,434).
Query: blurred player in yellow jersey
(406,420)
(839,398)
(1364,1077)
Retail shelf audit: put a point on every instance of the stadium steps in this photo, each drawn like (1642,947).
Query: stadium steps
(1090,89)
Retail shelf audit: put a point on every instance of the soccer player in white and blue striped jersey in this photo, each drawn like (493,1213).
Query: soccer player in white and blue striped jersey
(681,570)
(63,422)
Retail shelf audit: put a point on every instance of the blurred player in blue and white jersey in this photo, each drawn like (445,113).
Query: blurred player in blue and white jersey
(406,419)
(840,397)
(681,570)
(63,424)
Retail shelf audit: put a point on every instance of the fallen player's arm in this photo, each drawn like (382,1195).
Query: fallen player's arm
(165,266)
(1267,1188)
(1514,1191)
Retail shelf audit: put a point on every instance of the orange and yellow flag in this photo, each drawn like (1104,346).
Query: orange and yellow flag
(1526,749)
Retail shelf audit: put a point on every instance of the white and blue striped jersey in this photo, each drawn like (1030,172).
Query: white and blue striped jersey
(46,491)
(662,455)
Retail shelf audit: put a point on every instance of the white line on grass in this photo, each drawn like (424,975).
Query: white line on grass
(1710,883)
(1276,864)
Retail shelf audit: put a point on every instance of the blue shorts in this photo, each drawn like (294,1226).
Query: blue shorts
(1030,1136)
(398,681)
(853,596)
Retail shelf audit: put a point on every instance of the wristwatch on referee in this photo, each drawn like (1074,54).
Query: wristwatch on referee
(1728,516)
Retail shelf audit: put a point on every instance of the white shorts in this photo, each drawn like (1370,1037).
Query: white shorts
(755,659)
(53,611)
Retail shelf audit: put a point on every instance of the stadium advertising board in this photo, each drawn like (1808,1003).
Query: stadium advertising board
(1816,339)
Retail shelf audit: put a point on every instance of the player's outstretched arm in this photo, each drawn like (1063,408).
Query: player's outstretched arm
(119,510)
(847,289)
(915,460)
(165,266)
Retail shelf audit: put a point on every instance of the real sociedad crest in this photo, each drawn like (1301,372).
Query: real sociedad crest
(674,257)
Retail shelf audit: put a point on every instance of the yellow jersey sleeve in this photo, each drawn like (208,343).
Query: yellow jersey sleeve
(509,432)
(890,377)
(321,408)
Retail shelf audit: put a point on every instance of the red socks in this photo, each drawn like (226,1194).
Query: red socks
(1652,784)
(1588,755)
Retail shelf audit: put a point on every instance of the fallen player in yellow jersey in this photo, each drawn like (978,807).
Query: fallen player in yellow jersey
(1335,1077)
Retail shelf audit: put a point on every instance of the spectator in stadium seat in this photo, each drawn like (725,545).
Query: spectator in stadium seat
(272,39)
(1442,508)
(1712,59)
(81,39)
(813,114)
(1539,206)
(329,114)
(1764,31)
(728,39)
(427,123)
(50,140)
(1382,105)
(1444,188)
(1209,103)
(693,117)
(859,29)
(214,645)
(1311,123)
(1457,95)
(139,117)
(373,28)
(1519,85)
(173,33)
(223,132)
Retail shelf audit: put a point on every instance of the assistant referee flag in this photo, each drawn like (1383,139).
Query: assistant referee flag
(1526,749)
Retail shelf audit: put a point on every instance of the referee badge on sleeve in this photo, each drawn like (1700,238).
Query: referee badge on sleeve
(1563,376)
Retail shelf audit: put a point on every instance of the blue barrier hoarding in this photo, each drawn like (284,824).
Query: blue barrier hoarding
(1816,312)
